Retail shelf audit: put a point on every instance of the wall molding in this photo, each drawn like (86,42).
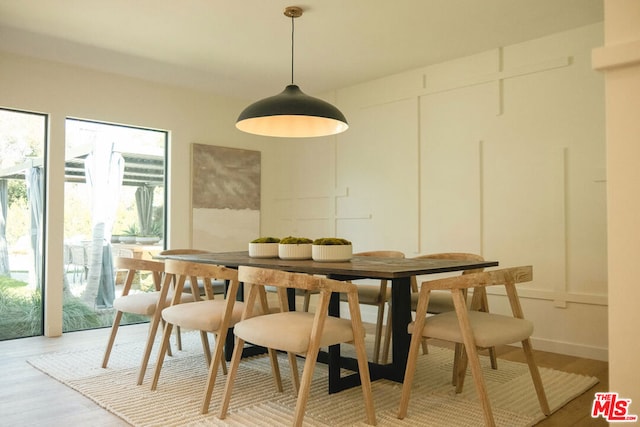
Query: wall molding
(498,76)
(556,296)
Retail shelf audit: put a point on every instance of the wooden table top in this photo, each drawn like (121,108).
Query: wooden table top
(358,266)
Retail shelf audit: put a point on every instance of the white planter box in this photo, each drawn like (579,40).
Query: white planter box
(332,253)
(263,250)
(294,251)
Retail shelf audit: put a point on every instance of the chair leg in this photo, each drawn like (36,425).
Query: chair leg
(305,385)
(217,360)
(169,351)
(410,371)
(481,387)
(378,336)
(493,358)
(386,344)
(223,362)
(460,363)
(365,379)
(484,306)
(163,350)
(295,377)
(275,368)
(151,336)
(233,370)
(178,338)
(307,301)
(112,338)
(205,347)
(535,376)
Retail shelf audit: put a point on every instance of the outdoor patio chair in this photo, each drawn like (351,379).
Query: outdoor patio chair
(473,329)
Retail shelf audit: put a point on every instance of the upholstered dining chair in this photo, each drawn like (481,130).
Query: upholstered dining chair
(473,329)
(214,315)
(140,303)
(375,295)
(441,302)
(297,332)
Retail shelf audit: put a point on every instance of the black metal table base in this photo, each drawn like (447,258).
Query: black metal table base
(393,371)
(335,361)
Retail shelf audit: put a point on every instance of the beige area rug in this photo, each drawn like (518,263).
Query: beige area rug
(255,401)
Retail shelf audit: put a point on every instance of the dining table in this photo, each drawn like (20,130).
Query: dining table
(398,270)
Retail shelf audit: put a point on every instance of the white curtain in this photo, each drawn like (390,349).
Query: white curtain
(35,185)
(104,170)
(144,204)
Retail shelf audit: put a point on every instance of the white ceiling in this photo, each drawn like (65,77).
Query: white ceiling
(243,47)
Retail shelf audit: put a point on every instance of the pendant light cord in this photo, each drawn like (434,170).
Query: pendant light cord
(292,39)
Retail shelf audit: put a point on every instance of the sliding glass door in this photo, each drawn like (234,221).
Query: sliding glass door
(114,206)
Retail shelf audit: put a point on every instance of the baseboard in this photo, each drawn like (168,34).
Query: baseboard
(571,349)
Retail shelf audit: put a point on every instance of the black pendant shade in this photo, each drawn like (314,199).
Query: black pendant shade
(292,113)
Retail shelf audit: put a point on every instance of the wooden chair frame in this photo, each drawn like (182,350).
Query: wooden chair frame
(179,272)
(135,266)
(257,279)
(481,304)
(508,277)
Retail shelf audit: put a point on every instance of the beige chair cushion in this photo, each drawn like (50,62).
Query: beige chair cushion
(489,329)
(439,301)
(201,315)
(367,294)
(144,303)
(294,331)
(217,285)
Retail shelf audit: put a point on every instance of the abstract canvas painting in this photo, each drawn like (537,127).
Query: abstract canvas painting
(225,197)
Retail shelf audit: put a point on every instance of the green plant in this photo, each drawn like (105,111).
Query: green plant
(153,230)
(77,315)
(331,241)
(131,230)
(20,315)
(290,240)
(266,240)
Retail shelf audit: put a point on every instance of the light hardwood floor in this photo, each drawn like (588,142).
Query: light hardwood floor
(30,398)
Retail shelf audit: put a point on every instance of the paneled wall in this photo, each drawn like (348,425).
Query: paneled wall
(500,153)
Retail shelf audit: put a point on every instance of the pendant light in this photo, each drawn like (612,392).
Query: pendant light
(292,113)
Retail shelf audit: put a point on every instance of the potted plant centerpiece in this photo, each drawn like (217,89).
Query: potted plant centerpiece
(331,249)
(264,247)
(295,248)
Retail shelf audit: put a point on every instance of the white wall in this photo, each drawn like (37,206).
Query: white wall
(501,153)
(66,91)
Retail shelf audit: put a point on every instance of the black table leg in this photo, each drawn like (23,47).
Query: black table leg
(401,315)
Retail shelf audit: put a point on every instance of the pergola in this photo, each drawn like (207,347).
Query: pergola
(139,169)
(142,170)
